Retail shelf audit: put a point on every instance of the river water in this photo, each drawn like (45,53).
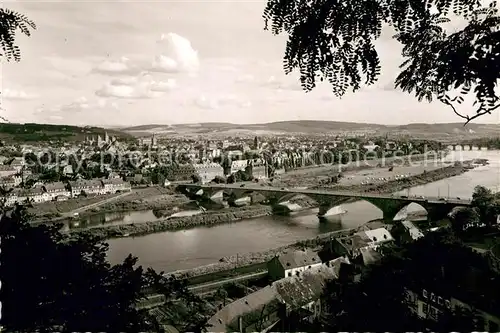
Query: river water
(170,251)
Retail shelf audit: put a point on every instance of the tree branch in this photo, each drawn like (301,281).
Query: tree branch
(480,112)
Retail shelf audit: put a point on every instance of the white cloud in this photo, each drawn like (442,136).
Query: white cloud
(81,104)
(282,83)
(13,94)
(124,66)
(178,57)
(216,102)
(136,88)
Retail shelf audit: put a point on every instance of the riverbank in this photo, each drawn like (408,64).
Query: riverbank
(179,223)
(404,183)
(312,176)
(250,259)
(138,199)
(233,214)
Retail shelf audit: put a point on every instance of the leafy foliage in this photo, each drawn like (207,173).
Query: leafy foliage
(463,218)
(63,283)
(334,40)
(10,22)
(58,282)
(487,204)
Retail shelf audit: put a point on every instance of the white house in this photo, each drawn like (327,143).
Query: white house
(238,166)
(56,189)
(93,186)
(208,171)
(292,263)
(376,237)
(114,185)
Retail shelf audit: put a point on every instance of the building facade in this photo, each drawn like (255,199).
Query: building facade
(208,171)
(292,263)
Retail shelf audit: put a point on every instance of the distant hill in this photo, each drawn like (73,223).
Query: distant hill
(44,132)
(441,131)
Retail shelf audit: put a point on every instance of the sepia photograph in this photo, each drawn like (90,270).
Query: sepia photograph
(249,166)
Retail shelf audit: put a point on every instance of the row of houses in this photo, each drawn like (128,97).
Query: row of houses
(299,278)
(59,191)
(207,172)
(296,296)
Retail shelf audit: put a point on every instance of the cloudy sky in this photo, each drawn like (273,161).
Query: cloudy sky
(142,62)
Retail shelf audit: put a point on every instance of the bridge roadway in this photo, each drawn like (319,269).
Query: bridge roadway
(390,204)
(284,191)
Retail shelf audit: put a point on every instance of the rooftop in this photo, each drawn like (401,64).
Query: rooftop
(295,259)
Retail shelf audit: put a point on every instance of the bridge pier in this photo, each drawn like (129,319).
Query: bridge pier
(389,207)
(438,212)
(327,203)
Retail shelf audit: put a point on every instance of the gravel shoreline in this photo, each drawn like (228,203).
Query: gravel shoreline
(179,223)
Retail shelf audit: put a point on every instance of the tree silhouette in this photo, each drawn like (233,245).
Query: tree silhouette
(10,23)
(486,203)
(436,262)
(52,281)
(59,282)
(334,41)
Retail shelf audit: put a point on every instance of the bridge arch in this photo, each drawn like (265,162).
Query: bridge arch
(403,212)
(220,194)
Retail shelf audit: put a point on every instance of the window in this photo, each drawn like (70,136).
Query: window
(433,297)
(289,273)
(424,293)
(309,266)
(448,303)
(440,300)
(297,273)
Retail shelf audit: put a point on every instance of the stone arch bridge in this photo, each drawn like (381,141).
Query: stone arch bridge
(437,208)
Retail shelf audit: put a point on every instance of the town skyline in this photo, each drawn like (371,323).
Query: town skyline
(182,63)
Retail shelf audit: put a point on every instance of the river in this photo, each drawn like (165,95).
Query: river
(170,251)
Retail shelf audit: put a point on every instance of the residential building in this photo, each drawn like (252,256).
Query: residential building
(280,304)
(377,236)
(18,163)
(20,195)
(7,170)
(391,145)
(292,263)
(406,231)
(82,186)
(37,194)
(239,165)
(361,247)
(10,181)
(259,169)
(57,189)
(113,175)
(181,172)
(208,171)
(115,185)
(428,304)
(67,170)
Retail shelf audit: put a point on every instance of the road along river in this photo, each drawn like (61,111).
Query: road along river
(170,251)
